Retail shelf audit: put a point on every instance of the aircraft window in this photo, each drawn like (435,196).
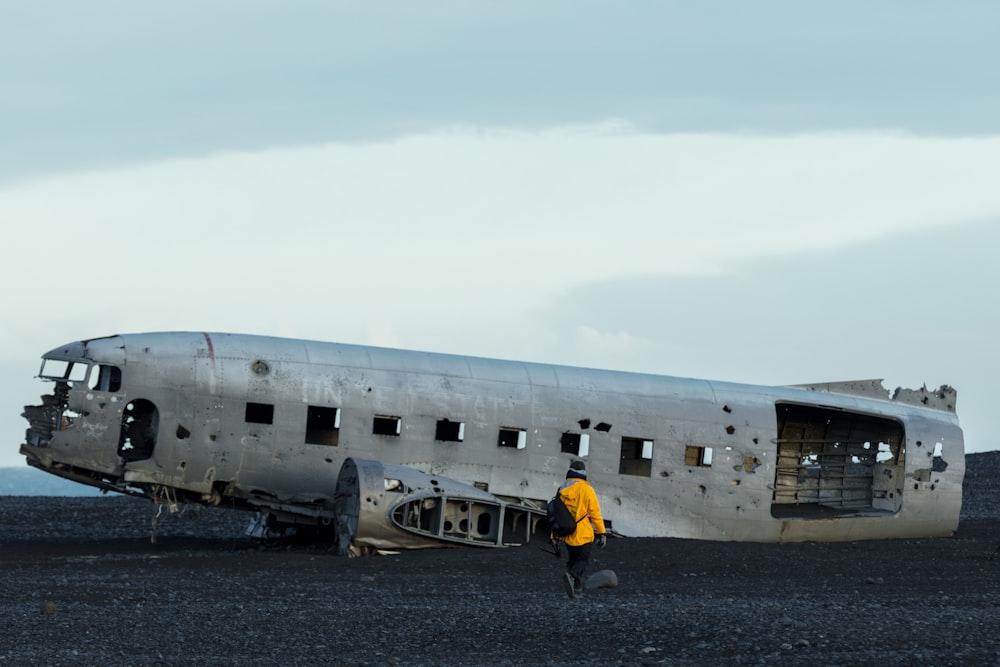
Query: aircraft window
(577,444)
(260,413)
(512,437)
(449,431)
(636,457)
(384,425)
(322,426)
(700,457)
(108,378)
(63,370)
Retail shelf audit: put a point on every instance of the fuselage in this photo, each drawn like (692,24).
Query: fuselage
(266,423)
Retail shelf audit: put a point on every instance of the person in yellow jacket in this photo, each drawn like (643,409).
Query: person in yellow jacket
(581,500)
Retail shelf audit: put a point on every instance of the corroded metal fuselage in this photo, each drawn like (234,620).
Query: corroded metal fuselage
(267,424)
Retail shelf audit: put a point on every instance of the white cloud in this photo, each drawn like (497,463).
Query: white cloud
(459,233)
(614,349)
(379,332)
(465,241)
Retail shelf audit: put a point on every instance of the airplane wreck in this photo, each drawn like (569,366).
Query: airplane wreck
(393,449)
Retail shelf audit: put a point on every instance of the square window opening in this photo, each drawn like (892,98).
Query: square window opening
(515,438)
(636,457)
(577,444)
(260,413)
(322,426)
(449,431)
(384,425)
(698,457)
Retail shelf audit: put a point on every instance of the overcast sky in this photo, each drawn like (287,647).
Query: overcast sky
(768,192)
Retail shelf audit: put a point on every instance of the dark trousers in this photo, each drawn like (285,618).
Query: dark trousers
(577,563)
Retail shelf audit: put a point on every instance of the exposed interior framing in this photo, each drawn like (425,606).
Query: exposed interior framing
(832,460)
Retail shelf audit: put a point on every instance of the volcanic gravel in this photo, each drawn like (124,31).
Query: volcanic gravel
(83,583)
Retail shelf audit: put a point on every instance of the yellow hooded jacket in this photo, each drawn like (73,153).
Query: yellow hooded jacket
(581,500)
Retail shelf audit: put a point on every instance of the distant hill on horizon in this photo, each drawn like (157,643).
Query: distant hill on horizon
(28,481)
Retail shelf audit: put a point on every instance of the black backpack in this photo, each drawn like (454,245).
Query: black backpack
(561,522)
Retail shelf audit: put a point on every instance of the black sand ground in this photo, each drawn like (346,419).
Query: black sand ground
(82,584)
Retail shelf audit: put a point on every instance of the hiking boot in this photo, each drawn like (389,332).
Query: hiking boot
(577,590)
(569,584)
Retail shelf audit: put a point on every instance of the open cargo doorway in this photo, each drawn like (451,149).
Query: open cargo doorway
(833,463)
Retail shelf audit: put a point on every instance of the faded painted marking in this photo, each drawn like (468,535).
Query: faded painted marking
(322,392)
(94,431)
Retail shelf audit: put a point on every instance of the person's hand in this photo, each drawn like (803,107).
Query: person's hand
(602,541)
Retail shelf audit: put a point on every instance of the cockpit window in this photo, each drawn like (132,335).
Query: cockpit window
(102,377)
(54,369)
(106,378)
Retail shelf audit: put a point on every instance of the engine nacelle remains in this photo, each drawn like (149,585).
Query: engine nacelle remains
(387,506)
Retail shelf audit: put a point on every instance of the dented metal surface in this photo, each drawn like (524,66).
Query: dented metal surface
(383,448)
